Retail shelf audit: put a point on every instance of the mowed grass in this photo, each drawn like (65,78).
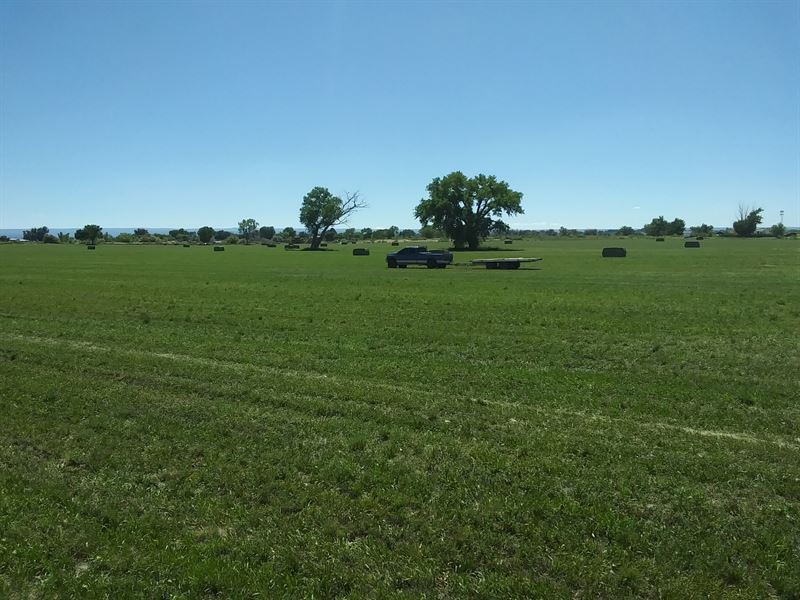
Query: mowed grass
(256,422)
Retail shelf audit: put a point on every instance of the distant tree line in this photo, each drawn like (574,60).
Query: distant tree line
(466,210)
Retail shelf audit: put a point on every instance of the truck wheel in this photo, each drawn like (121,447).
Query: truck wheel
(391,263)
(431,263)
(442,265)
(402,266)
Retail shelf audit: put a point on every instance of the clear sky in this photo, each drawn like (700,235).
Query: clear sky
(182,114)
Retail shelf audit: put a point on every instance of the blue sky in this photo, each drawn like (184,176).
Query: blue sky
(190,113)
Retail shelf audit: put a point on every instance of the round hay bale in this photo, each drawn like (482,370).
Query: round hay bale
(614,253)
(691,244)
(360,252)
(219,248)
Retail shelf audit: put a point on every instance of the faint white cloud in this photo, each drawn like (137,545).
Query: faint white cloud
(637,208)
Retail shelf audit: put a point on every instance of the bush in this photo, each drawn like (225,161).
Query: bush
(50,239)
(232,240)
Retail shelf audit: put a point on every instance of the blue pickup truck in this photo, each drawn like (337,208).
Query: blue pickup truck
(419,255)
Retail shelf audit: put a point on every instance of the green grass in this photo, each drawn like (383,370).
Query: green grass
(183,423)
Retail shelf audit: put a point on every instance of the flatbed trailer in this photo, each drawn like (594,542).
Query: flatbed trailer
(503,263)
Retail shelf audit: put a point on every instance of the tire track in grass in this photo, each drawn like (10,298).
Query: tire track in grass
(404,390)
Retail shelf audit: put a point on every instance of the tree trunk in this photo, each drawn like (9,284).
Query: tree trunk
(317,238)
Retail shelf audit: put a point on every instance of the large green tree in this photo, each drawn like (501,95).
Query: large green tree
(35,234)
(205,234)
(321,211)
(247,227)
(89,233)
(748,221)
(467,208)
(660,226)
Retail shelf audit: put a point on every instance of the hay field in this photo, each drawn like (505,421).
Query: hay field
(178,422)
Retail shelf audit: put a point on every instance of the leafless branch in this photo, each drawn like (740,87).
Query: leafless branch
(352,202)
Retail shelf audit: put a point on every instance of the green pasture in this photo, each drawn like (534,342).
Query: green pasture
(182,423)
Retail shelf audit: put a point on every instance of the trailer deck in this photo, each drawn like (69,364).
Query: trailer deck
(503,263)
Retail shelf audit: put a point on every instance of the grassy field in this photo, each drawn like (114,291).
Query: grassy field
(256,422)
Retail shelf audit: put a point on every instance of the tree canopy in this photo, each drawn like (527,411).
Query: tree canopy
(659,226)
(35,234)
(321,211)
(247,227)
(702,229)
(89,233)
(467,208)
(748,221)
(205,234)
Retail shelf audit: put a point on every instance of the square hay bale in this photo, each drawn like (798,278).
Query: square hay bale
(614,253)
(691,244)
(395,243)
(659,239)
(219,248)
(290,247)
(186,245)
(508,241)
(360,252)
(90,247)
